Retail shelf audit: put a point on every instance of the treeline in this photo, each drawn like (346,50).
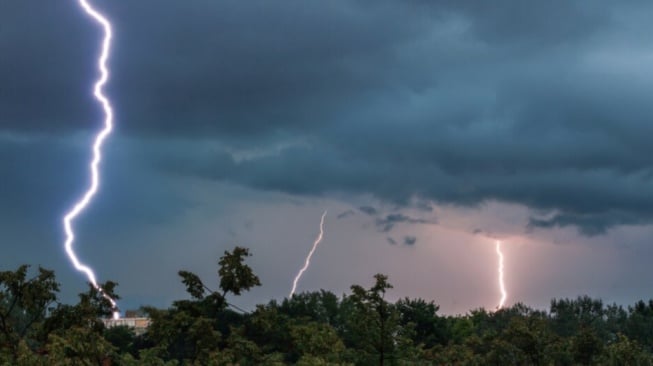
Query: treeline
(317,328)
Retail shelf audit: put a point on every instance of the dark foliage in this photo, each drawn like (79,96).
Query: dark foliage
(317,328)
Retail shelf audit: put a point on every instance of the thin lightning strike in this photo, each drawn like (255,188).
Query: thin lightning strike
(502,286)
(310,254)
(83,202)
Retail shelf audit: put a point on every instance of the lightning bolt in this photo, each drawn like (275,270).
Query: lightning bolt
(85,199)
(502,286)
(310,254)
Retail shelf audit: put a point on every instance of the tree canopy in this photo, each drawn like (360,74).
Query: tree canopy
(310,328)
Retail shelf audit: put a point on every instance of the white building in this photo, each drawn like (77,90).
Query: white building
(139,325)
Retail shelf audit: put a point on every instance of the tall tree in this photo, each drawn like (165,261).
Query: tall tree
(196,329)
(429,328)
(24,305)
(374,325)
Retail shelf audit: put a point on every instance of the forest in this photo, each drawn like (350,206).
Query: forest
(311,328)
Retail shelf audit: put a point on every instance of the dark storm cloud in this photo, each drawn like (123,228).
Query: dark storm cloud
(542,104)
(32,168)
(588,224)
(410,240)
(345,214)
(42,177)
(371,211)
(510,21)
(387,223)
(424,206)
(45,67)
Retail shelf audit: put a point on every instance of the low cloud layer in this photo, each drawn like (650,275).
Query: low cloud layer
(411,102)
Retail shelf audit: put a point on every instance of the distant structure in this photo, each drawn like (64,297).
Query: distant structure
(131,320)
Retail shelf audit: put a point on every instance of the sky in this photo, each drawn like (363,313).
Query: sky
(427,129)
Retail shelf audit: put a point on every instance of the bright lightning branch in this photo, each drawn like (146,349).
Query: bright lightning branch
(310,254)
(85,199)
(502,286)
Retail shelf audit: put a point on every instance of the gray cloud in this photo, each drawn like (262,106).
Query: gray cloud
(387,223)
(43,177)
(345,214)
(424,206)
(452,102)
(410,240)
(368,210)
(588,224)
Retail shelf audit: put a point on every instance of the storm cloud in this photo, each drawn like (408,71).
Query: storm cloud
(410,240)
(369,210)
(451,102)
(387,223)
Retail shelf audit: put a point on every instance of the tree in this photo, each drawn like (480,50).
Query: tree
(616,321)
(194,330)
(428,328)
(373,325)
(322,306)
(624,352)
(639,325)
(529,334)
(586,346)
(235,276)
(316,328)
(452,354)
(79,346)
(319,340)
(24,305)
(121,337)
(270,330)
(504,353)
(568,316)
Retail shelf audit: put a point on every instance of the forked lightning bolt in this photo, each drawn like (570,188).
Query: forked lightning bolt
(310,254)
(502,286)
(85,199)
